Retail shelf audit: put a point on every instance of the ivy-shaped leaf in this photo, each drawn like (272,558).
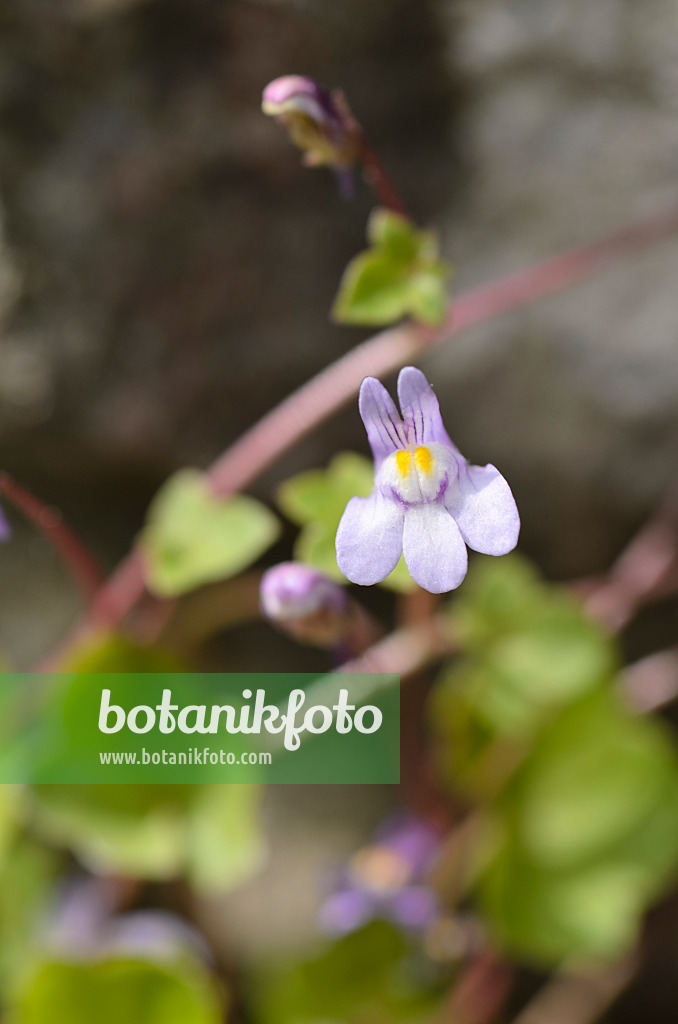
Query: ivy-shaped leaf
(316,499)
(400,274)
(192,537)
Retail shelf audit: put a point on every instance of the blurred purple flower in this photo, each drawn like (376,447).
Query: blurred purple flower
(82,926)
(304,602)
(5,528)
(387,880)
(315,125)
(428,502)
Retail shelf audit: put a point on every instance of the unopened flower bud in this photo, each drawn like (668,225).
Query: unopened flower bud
(315,124)
(305,603)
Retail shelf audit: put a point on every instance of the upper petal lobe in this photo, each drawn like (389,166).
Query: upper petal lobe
(420,409)
(385,429)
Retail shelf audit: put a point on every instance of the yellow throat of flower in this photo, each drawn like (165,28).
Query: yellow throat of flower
(422,458)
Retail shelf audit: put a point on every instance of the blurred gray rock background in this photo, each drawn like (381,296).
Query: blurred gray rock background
(166,266)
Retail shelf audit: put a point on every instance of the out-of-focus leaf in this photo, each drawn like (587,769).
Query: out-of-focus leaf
(593,781)
(116,990)
(27,875)
(368,975)
(10,804)
(589,828)
(192,538)
(530,650)
(225,842)
(504,597)
(110,653)
(212,834)
(399,274)
(543,917)
(316,500)
(126,830)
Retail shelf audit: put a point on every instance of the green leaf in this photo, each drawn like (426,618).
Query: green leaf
(397,236)
(135,831)
(316,499)
(547,917)
(428,298)
(594,781)
(211,834)
(27,876)
(320,495)
(117,990)
(530,651)
(589,835)
(365,976)
(500,596)
(400,274)
(193,538)
(530,648)
(224,838)
(111,653)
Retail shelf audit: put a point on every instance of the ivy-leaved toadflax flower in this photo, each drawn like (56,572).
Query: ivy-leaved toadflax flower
(428,503)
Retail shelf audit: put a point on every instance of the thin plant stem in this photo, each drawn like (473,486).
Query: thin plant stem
(77,559)
(375,172)
(578,998)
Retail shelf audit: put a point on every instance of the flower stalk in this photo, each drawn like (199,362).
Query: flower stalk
(80,563)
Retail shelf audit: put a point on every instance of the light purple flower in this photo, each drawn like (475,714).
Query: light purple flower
(428,502)
(314,123)
(387,880)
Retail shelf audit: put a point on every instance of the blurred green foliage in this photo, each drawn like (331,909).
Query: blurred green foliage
(28,871)
(580,793)
(316,499)
(210,834)
(192,537)
(399,274)
(371,975)
(111,652)
(115,990)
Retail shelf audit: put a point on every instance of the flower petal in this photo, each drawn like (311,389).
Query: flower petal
(369,539)
(385,429)
(414,906)
(435,553)
(420,409)
(345,911)
(485,510)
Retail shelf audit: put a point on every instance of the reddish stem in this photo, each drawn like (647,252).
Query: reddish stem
(76,557)
(645,570)
(379,179)
(374,169)
(316,400)
(481,991)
